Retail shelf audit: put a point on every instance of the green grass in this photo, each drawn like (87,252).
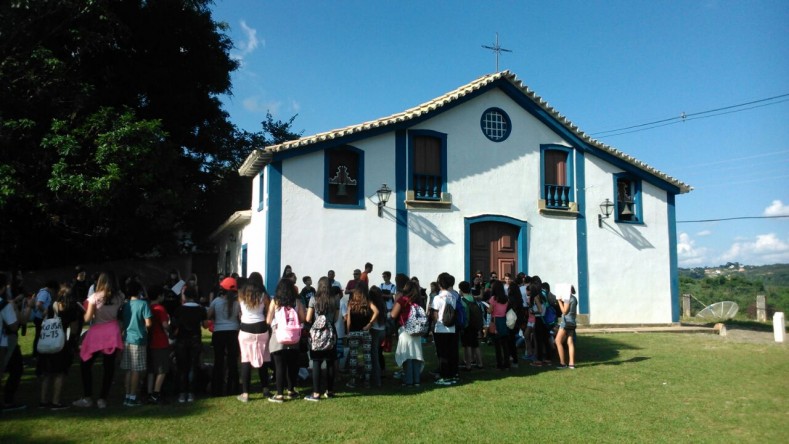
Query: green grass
(627,388)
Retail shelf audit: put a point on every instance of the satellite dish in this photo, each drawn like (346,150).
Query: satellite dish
(719,311)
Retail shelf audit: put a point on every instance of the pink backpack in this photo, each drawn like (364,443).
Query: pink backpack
(287,326)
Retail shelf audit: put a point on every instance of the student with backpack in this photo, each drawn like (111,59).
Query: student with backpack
(322,313)
(413,322)
(285,315)
(515,303)
(469,337)
(253,336)
(444,310)
(538,305)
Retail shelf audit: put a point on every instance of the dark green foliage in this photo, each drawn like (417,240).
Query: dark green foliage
(113,140)
(730,284)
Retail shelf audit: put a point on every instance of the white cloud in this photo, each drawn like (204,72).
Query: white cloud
(256,105)
(688,254)
(777,209)
(249,43)
(704,233)
(765,249)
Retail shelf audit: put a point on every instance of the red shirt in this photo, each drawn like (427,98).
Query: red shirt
(405,309)
(159,338)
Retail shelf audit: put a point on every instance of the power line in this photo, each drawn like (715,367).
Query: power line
(683,117)
(730,218)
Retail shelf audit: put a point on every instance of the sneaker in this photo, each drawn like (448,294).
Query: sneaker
(278,399)
(243,398)
(397,375)
(132,402)
(56,406)
(312,398)
(571,367)
(154,398)
(84,402)
(190,398)
(562,366)
(443,381)
(182,398)
(328,395)
(102,404)
(292,395)
(14,407)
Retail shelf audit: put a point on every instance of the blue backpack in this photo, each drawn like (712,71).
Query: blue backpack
(461,306)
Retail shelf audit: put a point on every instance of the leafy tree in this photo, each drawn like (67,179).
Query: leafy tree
(112,135)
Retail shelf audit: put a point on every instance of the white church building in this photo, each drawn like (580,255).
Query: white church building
(486,177)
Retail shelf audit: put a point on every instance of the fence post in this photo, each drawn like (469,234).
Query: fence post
(761,308)
(686,305)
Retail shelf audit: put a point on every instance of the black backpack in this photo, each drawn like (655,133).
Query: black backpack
(450,315)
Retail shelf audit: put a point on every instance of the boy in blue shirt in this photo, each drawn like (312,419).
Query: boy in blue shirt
(137,319)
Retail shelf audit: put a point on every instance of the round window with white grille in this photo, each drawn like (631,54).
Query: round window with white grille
(495,124)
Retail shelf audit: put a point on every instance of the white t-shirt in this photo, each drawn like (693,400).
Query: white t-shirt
(7,317)
(444,297)
(392,290)
(252,315)
(339,325)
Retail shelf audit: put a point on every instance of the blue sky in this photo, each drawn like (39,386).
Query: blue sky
(604,64)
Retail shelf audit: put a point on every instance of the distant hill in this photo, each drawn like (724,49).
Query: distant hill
(738,283)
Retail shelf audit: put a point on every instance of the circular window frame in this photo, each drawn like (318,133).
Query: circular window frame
(485,128)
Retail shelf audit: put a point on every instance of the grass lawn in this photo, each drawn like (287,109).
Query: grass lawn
(627,388)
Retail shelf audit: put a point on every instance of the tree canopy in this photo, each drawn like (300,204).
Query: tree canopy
(113,139)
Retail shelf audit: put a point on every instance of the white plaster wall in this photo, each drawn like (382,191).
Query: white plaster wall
(629,276)
(490,178)
(316,239)
(254,233)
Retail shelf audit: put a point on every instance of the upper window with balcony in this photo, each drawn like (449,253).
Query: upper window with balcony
(428,164)
(556,174)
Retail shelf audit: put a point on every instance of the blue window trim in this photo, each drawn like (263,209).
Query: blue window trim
(244,260)
(523,258)
(274,224)
(506,117)
(673,256)
(570,179)
(261,183)
(581,241)
(359,205)
(639,214)
(401,229)
(429,133)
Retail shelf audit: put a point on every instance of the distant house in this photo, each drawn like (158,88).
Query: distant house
(485,177)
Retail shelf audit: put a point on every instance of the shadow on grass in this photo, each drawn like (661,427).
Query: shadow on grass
(590,351)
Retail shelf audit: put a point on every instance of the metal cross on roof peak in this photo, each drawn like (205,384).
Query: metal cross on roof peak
(497,49)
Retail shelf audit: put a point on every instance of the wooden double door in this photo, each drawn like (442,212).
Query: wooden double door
(494,247)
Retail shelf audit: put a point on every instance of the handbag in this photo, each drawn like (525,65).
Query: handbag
(512,319)
(52,337)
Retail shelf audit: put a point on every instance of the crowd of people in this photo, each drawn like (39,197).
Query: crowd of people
(286,335)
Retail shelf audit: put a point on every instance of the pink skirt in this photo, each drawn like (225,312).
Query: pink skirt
(254,348)
(105,338)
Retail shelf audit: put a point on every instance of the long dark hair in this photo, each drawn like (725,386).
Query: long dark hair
(285,296)
(323,299)
(497,289)
(413,292)
(359,302)
(250,295)
(377,299)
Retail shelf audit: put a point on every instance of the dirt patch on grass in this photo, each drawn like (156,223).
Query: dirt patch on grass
(735,334)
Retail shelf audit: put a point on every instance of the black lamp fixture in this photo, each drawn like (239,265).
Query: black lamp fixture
(606,208)
(383,197)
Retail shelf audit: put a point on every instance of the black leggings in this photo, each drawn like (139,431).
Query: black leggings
(14,370)
(246,376)
(541,339)
(226,351)
(318,358)
(287,364)
(108,372)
